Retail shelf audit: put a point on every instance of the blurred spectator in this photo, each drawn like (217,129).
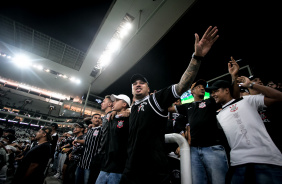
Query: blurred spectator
(76,153)
(67,144)
(55,137)
(271,84)
(31,170)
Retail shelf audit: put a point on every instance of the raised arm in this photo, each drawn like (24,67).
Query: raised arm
(202,47)
(233,69)
(270,95)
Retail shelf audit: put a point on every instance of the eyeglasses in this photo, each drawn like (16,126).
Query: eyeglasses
(271,84)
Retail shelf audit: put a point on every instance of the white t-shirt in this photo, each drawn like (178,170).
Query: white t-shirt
(246,133)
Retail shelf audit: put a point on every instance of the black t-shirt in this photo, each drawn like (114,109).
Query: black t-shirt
(38,154)
(78,149)
(116,145)
(104,131)
(176,123)
(146,143)
(54,142)
(202,121)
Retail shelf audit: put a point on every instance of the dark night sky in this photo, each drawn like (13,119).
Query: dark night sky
(250,32)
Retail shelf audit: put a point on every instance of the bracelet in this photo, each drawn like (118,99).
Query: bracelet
(251,86)
(198,58)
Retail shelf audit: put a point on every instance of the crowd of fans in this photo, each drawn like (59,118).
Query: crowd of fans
(234,136)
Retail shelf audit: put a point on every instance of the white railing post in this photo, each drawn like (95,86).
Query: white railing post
(185,159)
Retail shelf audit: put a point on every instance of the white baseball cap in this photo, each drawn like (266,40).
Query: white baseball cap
(121,97)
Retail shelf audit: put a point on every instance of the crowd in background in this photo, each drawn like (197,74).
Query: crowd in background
(16,142)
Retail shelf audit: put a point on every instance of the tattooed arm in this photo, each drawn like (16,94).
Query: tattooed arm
(202,47)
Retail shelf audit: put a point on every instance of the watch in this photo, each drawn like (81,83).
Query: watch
(198,58)
(251,85)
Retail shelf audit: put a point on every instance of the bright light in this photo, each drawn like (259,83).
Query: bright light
(22,61)
(125,29)
(75,80)
(114,45)
(72,79)
(1,80)
(105,60)
(24,86)
(39,67)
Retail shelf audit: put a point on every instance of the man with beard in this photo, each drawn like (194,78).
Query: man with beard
(147,160)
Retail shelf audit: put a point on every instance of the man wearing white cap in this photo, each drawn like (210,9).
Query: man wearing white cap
(116,143)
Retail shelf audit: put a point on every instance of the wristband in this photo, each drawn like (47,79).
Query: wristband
(251,86)
(198,58)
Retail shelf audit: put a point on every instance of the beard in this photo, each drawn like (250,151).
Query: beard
(201,96)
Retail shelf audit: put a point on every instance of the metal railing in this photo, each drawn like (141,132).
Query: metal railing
(185,159)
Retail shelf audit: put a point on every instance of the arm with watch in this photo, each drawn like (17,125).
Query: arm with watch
(271,95)
(201,47)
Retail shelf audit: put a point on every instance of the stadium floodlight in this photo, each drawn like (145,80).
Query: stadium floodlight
(115,43)
(22,61)
(124,30)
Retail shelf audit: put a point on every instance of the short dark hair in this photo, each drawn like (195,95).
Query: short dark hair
(48,131)
(108,97)
(55,125)
(97,114)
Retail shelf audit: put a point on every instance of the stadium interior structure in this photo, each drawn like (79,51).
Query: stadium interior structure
(59,83)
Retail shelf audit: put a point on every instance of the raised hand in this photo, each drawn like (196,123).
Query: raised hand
(243,81)
(203,46)
(233,67)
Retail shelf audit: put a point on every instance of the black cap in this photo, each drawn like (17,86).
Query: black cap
(198,82)
(9,130)
(79,124)
(138,77)
(219,84)
(55,125)
(10,137)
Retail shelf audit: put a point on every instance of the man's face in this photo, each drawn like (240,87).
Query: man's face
(140,89)
(272,84)
(198,90)
(257,81)
(5,133)
(40,134)
(219,95)
(118,105)
(105,104)
(77,130)
(96,120)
